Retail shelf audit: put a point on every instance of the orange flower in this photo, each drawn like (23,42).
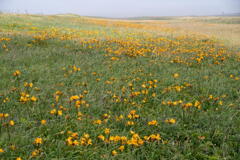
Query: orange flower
(38,141)
(43,122)
(17,73)
(114,152)
(153,123)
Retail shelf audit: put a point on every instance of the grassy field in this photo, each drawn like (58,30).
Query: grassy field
(74,87)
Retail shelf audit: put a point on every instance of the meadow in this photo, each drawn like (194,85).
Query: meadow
(75,87)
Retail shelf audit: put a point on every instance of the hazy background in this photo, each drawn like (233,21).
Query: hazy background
(123,8)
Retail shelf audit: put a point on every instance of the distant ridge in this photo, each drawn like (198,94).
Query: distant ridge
(132,17)
(232,14)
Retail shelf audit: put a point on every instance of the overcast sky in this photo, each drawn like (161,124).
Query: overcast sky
(122,8)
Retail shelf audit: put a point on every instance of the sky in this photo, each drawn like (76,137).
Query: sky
(122,8)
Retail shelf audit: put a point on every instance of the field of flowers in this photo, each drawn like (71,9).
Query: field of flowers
(84,88)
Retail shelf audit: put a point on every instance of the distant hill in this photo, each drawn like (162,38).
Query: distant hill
(232,14)
(152,18)
(175,17)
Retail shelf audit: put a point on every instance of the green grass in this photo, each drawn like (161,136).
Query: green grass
(211,132)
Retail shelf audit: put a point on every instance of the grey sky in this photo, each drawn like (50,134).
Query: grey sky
(122,8)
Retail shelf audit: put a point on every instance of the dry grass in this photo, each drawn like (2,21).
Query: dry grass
(226,29)
(228,33)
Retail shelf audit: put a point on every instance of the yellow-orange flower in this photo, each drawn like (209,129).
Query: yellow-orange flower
(35,153)
(101,137)
(17,73)
(33,98)
(170,121)
(1,150)
(43,122)
(121,148)
(175,75)
(11,123)
(153,123)
(38,141)
(114,152)
(107,131)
